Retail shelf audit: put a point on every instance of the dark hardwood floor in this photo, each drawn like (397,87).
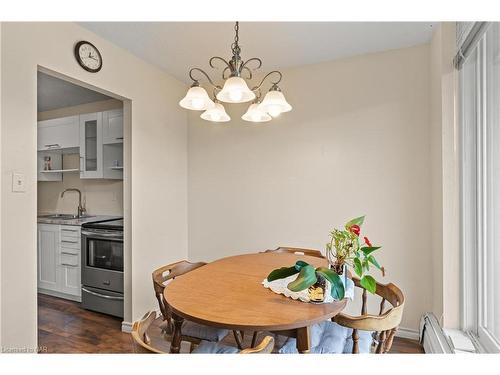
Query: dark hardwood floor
(64,327)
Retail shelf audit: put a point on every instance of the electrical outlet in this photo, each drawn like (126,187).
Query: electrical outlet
(18,182)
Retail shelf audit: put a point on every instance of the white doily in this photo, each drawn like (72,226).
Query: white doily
(280,287)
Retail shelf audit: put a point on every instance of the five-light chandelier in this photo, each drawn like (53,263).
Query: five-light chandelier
(235,90)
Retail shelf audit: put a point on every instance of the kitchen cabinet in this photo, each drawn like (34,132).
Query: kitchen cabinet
(91,165)
(48,242)
(59,257)
(96,137)
(112,126)
(60,133)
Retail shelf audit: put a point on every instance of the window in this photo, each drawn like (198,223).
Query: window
(480,120)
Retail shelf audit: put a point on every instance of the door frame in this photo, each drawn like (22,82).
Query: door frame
(127,185)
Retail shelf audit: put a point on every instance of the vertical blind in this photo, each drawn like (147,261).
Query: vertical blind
(468,35)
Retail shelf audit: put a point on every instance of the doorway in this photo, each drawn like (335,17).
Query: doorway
(83,180)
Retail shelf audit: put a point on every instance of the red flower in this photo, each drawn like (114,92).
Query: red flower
(367,241)
(355,229)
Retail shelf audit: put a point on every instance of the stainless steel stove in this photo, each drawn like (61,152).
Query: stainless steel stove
(102,267)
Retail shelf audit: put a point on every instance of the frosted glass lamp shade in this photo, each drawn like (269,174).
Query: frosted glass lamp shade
(275,103)
(235,90)
(255,114)
(216,114)
(196,99)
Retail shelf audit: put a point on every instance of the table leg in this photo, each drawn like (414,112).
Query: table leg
(175,347)
(303,340)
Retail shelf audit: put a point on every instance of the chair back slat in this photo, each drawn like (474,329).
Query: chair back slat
(384,324)
(297,250)
(266,346)
(363,305)
(382,305)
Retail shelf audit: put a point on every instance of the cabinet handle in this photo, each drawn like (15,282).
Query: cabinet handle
(102,295)
(82,168)
(65,241)
(69,265)
(119,138)
(68,253)
(54,145)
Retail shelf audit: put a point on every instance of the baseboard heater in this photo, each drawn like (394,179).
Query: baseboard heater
(435,339)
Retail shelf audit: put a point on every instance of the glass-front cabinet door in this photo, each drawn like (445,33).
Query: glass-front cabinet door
(91,145)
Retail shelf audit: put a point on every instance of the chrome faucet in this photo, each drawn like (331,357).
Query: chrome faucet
(81,210)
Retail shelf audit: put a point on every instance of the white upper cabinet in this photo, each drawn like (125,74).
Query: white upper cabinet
(58,133)
(91,145)
(112,126)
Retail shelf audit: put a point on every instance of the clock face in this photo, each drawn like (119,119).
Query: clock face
(88,56)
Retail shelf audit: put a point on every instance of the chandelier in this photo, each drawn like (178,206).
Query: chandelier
(235,74)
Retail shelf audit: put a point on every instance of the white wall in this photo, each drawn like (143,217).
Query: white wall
(445,187)
(158,160)
(357,142)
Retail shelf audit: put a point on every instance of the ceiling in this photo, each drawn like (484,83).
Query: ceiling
(54,93)
(176,46)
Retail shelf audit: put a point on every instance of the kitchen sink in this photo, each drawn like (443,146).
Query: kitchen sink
(65,216)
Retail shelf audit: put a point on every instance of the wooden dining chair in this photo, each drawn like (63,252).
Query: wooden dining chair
(141,339)
(357,334)
(191,331)
(382,326)
(297,250)
(142,342)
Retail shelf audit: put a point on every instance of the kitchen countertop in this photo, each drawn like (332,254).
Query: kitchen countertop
(45,220)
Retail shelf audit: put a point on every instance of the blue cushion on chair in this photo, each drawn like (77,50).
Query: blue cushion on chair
(202,332)
(330,338)
(206,347)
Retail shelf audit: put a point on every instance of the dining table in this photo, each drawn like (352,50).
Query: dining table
(228,293)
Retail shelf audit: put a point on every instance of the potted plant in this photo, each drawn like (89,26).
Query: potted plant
(346,249)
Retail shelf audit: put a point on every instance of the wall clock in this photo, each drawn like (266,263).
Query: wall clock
(88,56)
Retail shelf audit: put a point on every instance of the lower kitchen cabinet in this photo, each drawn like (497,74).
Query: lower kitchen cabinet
(48,242)
(59,257)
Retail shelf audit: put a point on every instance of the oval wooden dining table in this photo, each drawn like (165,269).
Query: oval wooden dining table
(228,293)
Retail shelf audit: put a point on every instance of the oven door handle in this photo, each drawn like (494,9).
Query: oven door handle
(102,295)
(102,235)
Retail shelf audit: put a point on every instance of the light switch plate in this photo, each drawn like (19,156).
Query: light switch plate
(18,182)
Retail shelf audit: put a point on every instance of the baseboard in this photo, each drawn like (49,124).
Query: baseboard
(53,293)
(126,327)
(408,333)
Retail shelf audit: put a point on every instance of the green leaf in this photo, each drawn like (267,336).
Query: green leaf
(358,221)
(373,261)
(369,283)
(367,250)
(306,278)
(366,265)
(281,273)
(299,264)
(338,290)
(358,268)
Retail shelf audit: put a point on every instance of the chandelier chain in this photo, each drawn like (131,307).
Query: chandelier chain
(235,46)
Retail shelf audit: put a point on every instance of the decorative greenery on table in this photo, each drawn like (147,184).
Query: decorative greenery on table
(308,276)
(344,248)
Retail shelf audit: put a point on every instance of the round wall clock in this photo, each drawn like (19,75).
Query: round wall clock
(88,56)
